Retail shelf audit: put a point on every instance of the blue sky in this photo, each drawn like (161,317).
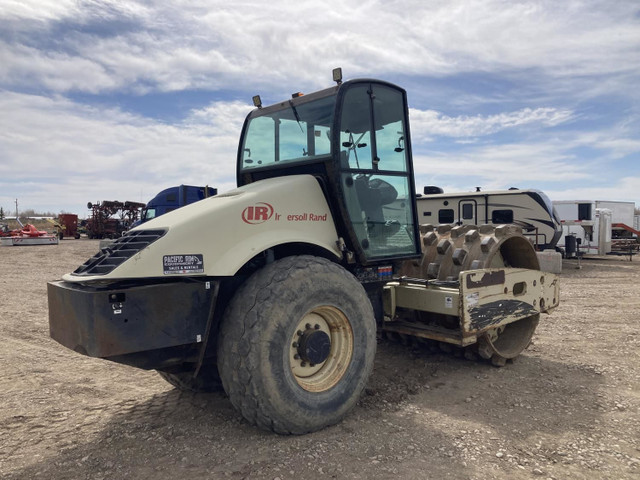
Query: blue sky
(117,100)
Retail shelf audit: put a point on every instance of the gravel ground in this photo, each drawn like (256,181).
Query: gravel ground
(566,409)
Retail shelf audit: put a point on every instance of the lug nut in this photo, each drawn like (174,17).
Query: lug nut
(308,326)
(295,345)
(299,333)
(316,326)
(303,364)
(296,356)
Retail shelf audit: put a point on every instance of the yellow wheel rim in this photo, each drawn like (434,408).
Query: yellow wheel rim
(325,375)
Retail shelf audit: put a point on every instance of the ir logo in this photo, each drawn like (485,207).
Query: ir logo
(258,213)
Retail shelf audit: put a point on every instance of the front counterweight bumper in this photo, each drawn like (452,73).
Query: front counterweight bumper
(141,325)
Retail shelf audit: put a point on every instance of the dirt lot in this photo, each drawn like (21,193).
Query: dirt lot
(567,409)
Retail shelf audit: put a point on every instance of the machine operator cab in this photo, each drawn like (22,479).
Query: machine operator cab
(354,138)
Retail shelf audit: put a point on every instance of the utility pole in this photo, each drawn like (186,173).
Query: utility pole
(17,217)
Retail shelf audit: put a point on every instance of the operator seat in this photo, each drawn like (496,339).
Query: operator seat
(373,194)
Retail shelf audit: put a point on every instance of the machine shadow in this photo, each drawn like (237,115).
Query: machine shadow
(177,433)
(174,433)
(528,395)
(201,435)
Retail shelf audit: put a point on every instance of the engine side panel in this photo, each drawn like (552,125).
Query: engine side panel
(215,237)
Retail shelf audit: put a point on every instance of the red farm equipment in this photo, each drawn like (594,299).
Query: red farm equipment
(26,235)
(102,224)
(66,226)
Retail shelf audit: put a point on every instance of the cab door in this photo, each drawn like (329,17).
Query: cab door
(376,173)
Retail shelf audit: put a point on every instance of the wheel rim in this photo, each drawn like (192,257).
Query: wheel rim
(320,326)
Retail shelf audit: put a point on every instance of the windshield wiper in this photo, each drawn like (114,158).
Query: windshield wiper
(295,113)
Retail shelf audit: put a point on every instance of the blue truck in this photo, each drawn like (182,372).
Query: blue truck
(172,198)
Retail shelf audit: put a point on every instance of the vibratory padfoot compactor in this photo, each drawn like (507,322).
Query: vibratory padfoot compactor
(275,291)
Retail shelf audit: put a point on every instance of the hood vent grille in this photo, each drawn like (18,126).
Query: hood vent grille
(115,254)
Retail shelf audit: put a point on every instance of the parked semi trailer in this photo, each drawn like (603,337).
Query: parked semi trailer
(174,197)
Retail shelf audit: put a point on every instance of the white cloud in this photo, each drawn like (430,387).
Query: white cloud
(624,190)
(566,165)
(616,142)
(55,71)
(58,154)
(533,50)
(426,123)
(36,9)
(499,166)
(203,44)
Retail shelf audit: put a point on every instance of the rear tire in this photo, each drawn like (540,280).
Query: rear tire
(297,345)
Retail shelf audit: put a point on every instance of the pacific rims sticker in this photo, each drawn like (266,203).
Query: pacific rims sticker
(177,264)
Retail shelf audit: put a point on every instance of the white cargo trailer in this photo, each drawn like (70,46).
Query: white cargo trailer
(598,224)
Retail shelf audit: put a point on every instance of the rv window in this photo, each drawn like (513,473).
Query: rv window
(445,215)
(467,211)
(584,211)
(502,216)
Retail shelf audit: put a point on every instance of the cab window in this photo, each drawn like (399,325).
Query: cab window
(148,213)
(299,133)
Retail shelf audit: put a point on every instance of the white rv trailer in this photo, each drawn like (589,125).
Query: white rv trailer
(530,209)
(596,223)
